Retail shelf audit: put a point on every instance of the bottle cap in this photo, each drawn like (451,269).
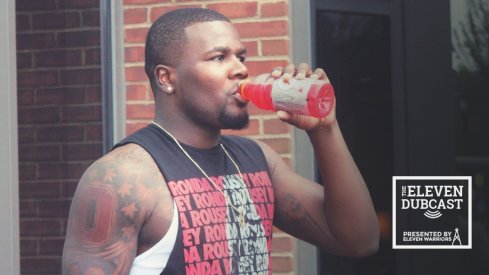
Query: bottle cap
(241,87)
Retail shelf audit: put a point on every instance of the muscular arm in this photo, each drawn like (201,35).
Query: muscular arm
(113,199)
(338,215)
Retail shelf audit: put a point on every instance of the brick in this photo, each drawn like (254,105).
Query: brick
(40,227)
(22,22)
(54,208)
(93,132)
(275,47)
(38,115)
(39,190)
(24,60)
(280,145)
(80,76)
(136,74)
(92,56)
(32,41)
(144,2)
(68,188)
(34,5)
(93,94)
(274,9)
(56,20)
(52,247)
(140,111)
(91,18)
(27,135)
(81,113)
(261,67)
(79,151)
(262,29)
(27,171)
(39,152)
(37,78)
(282,264)
(137,92)
(29,247)
(61,170)
(134,54)
(59,96)
(136,35)
(78,39)
(236,9)
(27,209)
(77,4)
(135,16)
(251,48)
(40,265)
(61,133)
(25,97)
(58,58)
(253,110)
(156,12)
(64,224)
(275,126)
(282,244)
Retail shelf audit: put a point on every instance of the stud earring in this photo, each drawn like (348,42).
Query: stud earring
(170,89)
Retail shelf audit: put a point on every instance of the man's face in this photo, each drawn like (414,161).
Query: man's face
(208,74)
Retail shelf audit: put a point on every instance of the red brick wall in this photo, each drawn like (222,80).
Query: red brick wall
(263,26)
(58,53)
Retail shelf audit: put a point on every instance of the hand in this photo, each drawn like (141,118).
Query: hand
(306,123)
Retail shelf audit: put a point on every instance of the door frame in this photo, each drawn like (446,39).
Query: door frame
(9,189)
(306,255)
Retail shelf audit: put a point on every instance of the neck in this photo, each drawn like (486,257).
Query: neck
(190,134)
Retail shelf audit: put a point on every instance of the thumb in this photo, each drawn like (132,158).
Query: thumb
(284,116)
(289,118)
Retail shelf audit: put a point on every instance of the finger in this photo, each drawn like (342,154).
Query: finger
(277,71)
(289,72)
(319,74)
(303,70)
(283,115)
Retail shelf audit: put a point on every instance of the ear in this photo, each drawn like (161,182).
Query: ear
(163,77)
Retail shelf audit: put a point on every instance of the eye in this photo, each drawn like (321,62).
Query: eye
(218,58)
(242,58)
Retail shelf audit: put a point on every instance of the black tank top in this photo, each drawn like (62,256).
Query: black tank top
(210,239)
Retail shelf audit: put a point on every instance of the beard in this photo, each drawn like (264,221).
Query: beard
(224,120)
(233,121)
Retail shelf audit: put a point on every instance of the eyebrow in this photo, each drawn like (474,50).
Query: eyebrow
(226,50)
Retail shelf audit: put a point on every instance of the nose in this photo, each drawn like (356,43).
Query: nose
(239,69)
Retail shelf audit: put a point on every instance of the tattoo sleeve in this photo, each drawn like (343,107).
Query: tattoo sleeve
(106,214)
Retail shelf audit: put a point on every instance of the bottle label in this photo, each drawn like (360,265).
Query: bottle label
(291,96)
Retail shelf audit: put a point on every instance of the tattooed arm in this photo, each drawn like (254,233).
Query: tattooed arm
(113,201)
(339,217)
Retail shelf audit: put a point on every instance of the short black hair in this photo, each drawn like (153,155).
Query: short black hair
(166,37)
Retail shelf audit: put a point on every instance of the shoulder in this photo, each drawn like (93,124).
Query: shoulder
(114,199)
(255,147)
(128,176)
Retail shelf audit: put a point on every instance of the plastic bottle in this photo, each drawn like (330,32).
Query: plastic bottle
(310,97)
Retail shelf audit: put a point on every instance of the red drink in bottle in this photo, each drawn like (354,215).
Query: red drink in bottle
(310,97)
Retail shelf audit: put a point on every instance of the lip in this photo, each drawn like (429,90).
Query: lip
(236,94)
(240,99)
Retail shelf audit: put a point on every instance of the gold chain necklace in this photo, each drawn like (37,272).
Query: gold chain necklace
(242,217)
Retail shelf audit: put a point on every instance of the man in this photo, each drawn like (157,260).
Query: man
(178,198)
